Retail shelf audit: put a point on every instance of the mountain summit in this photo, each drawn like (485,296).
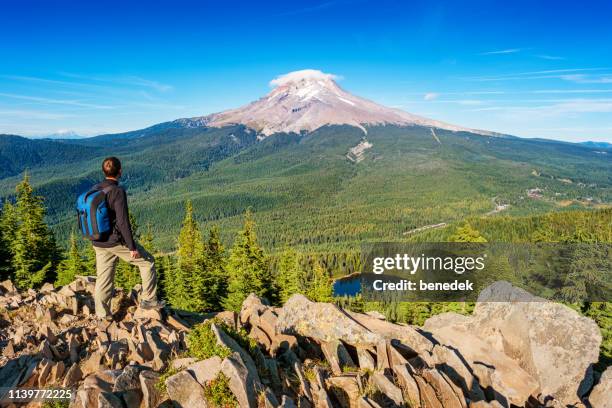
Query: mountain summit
(309,99)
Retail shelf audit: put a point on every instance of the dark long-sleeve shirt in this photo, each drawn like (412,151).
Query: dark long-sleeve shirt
(121,233)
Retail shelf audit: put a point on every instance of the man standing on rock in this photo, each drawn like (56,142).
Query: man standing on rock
(119,244)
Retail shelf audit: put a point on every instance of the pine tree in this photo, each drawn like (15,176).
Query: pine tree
(72,266)
(167,276)
(8,228)
(190,283)
(320,288)
(214,258)
(290,275)
(467,233)
(33,247)
(247,268)
(89,264)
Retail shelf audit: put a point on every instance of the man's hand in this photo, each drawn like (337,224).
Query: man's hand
(135,254)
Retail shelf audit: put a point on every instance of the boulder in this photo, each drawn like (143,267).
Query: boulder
(151,396)
(507,377)
(534,332)
(127,385)
(443,390)
(407,335)
(345,389)
(387,388)
(323,322)
(181,363)
(185,391)
(428,395)
(411,390)
(242,383)
(337,356)
(206,370)
(73,376)
(253,305)
(448,361)
(109,400)
(365,359)
(304,383)
(223,339)
(601,396)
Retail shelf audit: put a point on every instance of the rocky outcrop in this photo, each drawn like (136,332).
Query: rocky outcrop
(529,332)
(304,354)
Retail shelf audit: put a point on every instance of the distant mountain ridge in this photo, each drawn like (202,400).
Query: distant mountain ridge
(600,145)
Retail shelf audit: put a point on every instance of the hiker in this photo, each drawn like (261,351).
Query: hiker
(118,242)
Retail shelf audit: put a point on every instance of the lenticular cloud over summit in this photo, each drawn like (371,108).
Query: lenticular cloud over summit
(296,76)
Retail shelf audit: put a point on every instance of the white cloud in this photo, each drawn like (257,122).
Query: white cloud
(587,79)
(550,57)
(430,96)
(504,51)
(55,101)
(302,74)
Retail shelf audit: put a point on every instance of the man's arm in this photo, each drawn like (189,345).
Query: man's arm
(123,220)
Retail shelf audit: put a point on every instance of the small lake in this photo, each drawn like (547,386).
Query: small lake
(348,285)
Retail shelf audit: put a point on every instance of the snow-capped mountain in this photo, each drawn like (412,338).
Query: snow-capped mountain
(308,99)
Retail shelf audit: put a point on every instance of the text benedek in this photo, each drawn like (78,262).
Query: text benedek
(423,286)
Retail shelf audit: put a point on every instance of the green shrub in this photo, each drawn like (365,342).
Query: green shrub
(218,393)
(202,342)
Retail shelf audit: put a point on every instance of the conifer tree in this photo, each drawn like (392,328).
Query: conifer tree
(467,233)
(8,227)
(89,264)
(167,276)
(189,284)
(214,258)
(72,266)
(247,268)
(320,288)
(33,247)
(290,275)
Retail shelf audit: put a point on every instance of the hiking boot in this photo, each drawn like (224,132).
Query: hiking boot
(152,304)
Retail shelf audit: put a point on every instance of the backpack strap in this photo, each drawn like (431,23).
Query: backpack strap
(107,189)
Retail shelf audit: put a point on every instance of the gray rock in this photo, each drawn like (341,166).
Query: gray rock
(407,335)
(409,385)
(365,359)
(386,386)
(128,385)
(449,362)
(337,356)
(109,400)
(516,384)
(185,391)
(443,390)
(601,396)
(206,370)
(345,389)
(323,322)
(151,396)
(543,337)
(242,383)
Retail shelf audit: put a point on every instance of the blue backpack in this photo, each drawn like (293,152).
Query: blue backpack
(92,213)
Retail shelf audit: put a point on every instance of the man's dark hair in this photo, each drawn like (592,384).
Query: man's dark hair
(111,167)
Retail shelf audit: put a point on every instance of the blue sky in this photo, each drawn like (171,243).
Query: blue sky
(528,68)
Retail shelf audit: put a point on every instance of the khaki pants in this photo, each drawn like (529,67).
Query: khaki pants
(106,261)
